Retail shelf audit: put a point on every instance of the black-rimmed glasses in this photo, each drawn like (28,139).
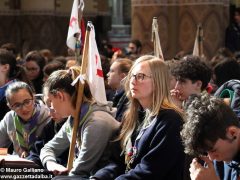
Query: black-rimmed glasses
(140,76)
(25,103)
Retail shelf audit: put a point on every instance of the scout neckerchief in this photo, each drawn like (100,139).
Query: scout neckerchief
(26,132)
(86,109)
(131,152)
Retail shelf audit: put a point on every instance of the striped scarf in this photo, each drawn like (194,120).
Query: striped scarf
(26,132)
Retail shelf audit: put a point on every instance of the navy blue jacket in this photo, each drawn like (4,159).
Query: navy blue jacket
(4,108)
(120,101)
(232,37)
(160,154)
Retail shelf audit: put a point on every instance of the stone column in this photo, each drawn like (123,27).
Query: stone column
(119,36)
(178,20)
(117,12)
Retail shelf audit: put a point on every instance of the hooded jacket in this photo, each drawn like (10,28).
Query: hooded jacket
(92,147)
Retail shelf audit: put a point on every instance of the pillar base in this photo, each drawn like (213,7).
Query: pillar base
(120,35)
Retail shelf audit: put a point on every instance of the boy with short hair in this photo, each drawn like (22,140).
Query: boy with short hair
(192,75)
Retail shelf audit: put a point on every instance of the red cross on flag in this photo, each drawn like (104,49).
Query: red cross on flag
(94,70)
(74,29)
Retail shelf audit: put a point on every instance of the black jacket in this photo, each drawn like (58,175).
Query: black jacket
(3,108)
(160,154)
(120,101)
(232,40)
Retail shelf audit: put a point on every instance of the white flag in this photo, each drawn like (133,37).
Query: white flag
(94,70)
(198,44)
(74,28)
(156,39)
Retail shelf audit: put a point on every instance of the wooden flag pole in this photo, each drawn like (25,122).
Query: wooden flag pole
(200,40)
(156,39)
(79,101)
(154,36)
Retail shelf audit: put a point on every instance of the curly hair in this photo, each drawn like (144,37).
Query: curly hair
(193,68)
(207,119)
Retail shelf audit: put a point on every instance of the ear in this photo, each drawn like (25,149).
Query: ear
(123,75)
(60,95)
(6,67)
(198,85)
(9,105)
(231,131)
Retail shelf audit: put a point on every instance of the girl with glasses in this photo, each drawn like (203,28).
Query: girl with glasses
(151,147)
(24,123)
(34,64)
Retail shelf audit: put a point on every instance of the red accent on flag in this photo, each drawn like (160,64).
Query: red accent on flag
(73,19)
(94,70)
(99,72)
(83,30)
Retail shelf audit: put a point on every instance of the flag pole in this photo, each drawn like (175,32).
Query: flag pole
(156,39)
(198,44)
(79,101)
(200,40)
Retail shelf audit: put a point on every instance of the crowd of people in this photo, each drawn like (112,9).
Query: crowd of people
(174,119)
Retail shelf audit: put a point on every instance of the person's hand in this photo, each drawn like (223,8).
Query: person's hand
(198,172)
(24,154)
(56,168)
(176,97)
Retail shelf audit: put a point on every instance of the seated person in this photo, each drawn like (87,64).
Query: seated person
(151,146)
(230,92)
(26,120)
(192,75)
(9,73)
(48,133)
(96,129)
(118,71)
(34,64)
(212,133)
(51,67)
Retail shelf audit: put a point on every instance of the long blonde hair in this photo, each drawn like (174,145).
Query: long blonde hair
(161,98)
